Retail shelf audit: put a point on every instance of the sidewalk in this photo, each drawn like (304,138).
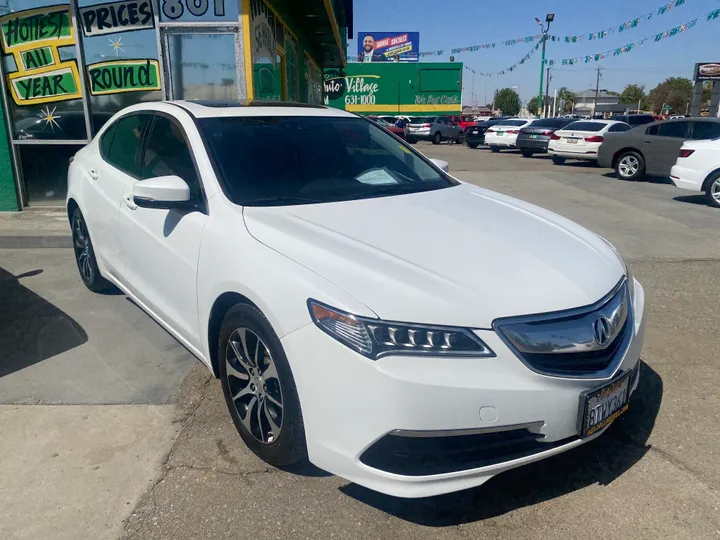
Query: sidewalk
(46,228)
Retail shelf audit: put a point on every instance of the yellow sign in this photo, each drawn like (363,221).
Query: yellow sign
(33,37)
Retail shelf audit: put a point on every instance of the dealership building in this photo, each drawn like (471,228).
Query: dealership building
(69,65)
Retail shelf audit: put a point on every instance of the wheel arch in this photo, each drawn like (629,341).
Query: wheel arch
(219,309)
(710,177)
(620,152)
(72,205)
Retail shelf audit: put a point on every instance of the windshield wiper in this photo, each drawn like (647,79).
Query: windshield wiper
(267,201)
(396,190)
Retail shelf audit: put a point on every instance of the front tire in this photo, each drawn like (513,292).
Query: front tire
(557,160)
(437,138)
(630,166)
(259,387)
(712,193)
(526,153)
(85,255)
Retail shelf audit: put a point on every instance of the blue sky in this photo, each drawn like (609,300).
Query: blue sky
(451,24)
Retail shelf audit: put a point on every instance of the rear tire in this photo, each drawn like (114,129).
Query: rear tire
(495,149)
(437,138)
(557,160)
(712,193)
(85,255)
(630,166)
(257,382)
(411,141)
(472,145)
(527,153)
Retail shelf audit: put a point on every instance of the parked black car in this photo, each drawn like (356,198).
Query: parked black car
(634,119)
(475,135)
(534,138)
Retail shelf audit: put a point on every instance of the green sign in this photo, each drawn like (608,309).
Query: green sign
(55,85)
(37,58)
(117,76)
(43,25)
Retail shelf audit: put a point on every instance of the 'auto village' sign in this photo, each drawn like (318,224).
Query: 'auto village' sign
(118,76)
(33,37)
(116,17)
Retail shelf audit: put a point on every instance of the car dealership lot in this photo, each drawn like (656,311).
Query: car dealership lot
(656,474)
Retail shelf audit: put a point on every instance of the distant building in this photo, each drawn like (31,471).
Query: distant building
(606,103)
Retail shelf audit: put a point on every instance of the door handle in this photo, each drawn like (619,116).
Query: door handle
(647,142)
(128,200)
(93,174)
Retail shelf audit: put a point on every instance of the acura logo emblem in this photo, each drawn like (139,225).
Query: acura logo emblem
(601,331)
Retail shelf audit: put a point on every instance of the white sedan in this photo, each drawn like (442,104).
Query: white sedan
(581,139)
(504,134)
(698,169)
(362,308)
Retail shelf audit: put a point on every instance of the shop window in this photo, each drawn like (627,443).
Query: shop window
(41,71)
(120,47)
(189,11)
(313,79)
(203,66)
(291,65)
(44,170)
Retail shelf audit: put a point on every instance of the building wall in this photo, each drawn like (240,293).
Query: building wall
(8,194)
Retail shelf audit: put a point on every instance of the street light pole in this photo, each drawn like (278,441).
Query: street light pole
(548,19)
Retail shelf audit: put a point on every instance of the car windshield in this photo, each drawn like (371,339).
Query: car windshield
(278,160)
(584,126)
(423,120)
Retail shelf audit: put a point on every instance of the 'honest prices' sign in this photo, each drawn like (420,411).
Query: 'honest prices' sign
(118,76)
(34,27)
(116,17)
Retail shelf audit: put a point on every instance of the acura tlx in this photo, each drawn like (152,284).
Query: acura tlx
(362,308)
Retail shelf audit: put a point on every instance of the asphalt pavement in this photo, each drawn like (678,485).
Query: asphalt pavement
(148,452)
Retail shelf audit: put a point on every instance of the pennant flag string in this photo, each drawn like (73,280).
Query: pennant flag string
(627,25)
(712,16)
(508,69)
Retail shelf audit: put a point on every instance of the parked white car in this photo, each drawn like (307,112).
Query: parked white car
(698,169)
(581,139)
(504,134)
(362,308)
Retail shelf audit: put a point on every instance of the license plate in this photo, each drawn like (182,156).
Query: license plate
(500,133)
(474,131)
(572,141)
(600,407)
(533,136)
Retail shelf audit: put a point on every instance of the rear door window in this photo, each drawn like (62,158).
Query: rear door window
(677,130)
(125,149)
(616,128)
(706,130)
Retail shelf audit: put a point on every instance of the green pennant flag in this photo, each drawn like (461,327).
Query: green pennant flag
(714,15)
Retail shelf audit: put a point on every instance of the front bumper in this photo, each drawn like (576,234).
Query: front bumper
(685,178)
(350,403)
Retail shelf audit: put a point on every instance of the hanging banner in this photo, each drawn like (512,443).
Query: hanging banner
(388,46)
(116,17)
(119,76)
(33,37)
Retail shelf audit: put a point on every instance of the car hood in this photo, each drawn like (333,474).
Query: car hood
(457,256)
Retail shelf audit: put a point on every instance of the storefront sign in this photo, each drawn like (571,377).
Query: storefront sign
(116,17)
(707,72)
(118,76)
(174,9)
(33,38)
(54,84)
(434,99)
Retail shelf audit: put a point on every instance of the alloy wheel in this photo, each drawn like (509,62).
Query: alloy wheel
(715,191)
(629,166)
(254,384)
(83,249)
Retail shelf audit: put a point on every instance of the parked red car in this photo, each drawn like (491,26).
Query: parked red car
(400,132)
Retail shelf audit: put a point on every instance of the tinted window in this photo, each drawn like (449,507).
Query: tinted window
(585,126)
(706,130)
(106,140)
(615,128)
(125,148)
(638,120)
(679,130)
(513,122)
(551,122)
(652,130)
(423,120)
(323,159)
(167,153)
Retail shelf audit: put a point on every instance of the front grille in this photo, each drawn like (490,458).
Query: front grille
(424,456)
(563,344)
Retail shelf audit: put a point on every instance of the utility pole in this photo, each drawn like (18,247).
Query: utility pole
(597,89)
(548,77)
(550,17)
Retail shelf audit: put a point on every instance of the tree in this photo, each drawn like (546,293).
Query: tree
(568,97)
(675,92)
(532,105)
(508,101)
(634,94)
(612,93)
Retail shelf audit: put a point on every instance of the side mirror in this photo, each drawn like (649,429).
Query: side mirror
(440,164)
(162,192)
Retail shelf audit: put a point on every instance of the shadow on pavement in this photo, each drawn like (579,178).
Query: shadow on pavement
(31,328)
(692,199)
(599,462)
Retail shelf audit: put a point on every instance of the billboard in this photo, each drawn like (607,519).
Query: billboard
(388,46)
(707,72)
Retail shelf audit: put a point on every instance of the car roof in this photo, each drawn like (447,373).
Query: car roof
(224,108)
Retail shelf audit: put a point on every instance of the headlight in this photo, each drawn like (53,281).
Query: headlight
(375,338)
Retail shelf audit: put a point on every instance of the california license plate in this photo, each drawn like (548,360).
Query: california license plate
(572,141)
(600,407)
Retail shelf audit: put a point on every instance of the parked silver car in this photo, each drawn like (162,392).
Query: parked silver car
(435,129)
